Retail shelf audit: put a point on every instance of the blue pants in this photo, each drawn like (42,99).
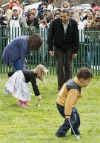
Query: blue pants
(75,121)
(19,65)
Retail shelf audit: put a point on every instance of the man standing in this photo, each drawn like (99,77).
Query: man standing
(64,36)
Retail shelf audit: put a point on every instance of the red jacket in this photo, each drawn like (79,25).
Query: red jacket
(11,4)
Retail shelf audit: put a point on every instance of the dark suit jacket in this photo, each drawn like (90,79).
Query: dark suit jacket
(58,39)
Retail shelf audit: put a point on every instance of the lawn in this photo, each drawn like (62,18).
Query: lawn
(39,124)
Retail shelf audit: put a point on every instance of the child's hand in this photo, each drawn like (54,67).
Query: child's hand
(67,118)
(39,98)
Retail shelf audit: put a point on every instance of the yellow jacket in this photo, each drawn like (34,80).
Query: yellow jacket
(69,97)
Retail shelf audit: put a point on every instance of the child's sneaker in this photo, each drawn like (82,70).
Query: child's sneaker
(61,135)
(21,104)
(26,104)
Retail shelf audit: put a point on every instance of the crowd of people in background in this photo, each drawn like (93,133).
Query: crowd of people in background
(41,17)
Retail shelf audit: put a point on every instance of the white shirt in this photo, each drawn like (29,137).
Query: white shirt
(65,26)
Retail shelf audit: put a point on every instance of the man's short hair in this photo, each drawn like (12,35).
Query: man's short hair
(66,11)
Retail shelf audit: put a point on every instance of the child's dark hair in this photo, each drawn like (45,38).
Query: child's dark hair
(84,73)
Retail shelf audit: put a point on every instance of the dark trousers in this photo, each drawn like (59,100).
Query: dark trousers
(75,121)
(64,65)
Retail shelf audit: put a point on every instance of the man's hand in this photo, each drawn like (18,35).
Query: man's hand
(74,55)
(51,53)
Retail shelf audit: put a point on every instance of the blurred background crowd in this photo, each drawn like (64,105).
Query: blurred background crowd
(40,15)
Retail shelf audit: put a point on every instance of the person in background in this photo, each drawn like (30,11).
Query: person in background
(51,5)
(14,3)
(42,22)
(16,22)
(3,19)
(32,20)
(14,53)
(95,6)
(67,99)
(56,15)
(18,87)
(41,9)
(65,5)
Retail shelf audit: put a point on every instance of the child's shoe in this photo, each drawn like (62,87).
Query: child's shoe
(26,104)
(21,104)
(60,135)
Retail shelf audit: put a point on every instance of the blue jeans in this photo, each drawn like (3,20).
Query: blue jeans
(18,65)
(75,121)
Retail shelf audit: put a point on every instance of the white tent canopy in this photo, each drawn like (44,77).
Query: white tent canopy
(35,5)
(83,6)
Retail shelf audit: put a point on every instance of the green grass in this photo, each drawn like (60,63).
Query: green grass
(39,124)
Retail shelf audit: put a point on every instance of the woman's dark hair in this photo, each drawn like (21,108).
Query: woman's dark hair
(34,42)
(84,73)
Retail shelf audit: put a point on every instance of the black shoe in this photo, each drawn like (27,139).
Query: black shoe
(60,135)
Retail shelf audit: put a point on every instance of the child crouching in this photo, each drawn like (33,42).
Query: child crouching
(67,98)
(18,87)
